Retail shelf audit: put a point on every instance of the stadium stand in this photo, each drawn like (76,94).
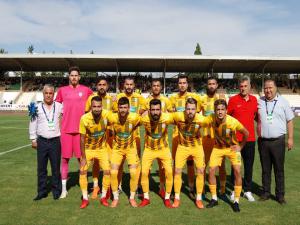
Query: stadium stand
(32,87)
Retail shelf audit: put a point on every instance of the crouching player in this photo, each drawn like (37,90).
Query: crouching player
(156,147)
(93,147)
(226,145)
(189,124)
(124,124)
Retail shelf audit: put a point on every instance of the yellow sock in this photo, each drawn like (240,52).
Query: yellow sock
(199,183)
(213,189)
(133,179)
(177,183)
(237,192)
(83,182)
(105,182)
(114,180)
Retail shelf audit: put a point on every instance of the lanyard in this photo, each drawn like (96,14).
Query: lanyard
(49,114)
(275,101)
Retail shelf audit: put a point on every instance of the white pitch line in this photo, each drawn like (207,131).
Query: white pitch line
(14,149)
(17,128)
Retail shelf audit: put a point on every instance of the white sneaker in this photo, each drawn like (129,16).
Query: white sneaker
(232,196)
(63,194)
(248,195)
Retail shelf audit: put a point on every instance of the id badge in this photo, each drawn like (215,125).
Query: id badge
(51,126)
(270,118)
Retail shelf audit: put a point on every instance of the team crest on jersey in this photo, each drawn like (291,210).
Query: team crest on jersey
(227,131)
(162,104)
(163,125)
(130,126)
(196,126)
(80,94)
(134,99)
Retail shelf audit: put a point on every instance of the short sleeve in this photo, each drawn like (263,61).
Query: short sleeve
(289,115)
(88,104)
(172,101)
(142,101)
(82,128)
(89,92)
(238,126)
(169,105)
(59,97)
(170,119)
(205,120)
(144,104)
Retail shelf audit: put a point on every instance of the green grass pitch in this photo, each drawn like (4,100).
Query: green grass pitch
(18,188)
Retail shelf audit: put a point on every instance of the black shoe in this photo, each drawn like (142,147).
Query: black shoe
(212,203)
(39,197)
(264,197)
(235,207)
(56,197)
(281,200)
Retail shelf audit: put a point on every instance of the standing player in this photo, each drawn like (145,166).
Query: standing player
(124,124)
(178,101)
(226,145)
(94,148)
(102,87)
(136,101)
(73,97)
(189,124)
(208,141)
(156,147)
(165,107)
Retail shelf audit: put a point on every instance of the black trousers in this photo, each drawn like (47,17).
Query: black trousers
(272,153)
(48,149)
(248,155)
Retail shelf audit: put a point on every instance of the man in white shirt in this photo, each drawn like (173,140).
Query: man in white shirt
(44,131)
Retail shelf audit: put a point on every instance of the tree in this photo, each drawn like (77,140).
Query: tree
(30,49)
(92,52)
(198,50)
(71,51)
(2,51)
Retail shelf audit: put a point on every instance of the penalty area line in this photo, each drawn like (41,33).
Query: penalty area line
(14,149)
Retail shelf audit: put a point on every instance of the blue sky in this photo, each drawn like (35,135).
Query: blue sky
(222,27)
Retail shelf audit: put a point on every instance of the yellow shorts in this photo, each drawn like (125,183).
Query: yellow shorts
(130,154)
(183,153)
(208,145)
(218,154)
(164,156)
(99,156)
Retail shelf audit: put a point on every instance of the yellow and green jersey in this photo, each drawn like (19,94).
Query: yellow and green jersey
(95,133)
(166,105)
(107,102)
(225,133)
(189,133)
(156,133)
(207,108)
(124,133)
(136,101)
(178,101)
